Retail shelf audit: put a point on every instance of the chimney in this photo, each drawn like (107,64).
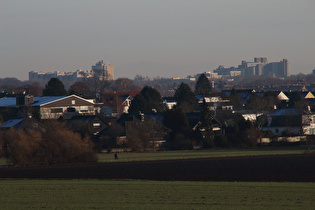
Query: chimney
(23,100)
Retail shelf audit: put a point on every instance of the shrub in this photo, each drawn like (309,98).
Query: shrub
(208,143)
(221,141)
(56,146)
(22,148)
(182,142)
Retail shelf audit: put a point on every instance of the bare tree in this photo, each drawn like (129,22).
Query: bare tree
(123,84)
(80,89)
(97,83)
(262,105)
(143,134)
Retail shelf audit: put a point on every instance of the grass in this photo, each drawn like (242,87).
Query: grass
(188,154)
(3,161)
(98,194)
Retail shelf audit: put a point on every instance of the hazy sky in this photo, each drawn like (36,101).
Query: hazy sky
(163,38)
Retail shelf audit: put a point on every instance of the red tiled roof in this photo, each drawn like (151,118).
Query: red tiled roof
(133,93)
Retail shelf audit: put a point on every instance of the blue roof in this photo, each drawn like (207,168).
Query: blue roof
(285,112)
(11,123)
(7,101)
(39,101)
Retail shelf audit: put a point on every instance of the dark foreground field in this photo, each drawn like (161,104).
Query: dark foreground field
(277,168)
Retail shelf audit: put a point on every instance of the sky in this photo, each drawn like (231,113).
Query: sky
(164,38)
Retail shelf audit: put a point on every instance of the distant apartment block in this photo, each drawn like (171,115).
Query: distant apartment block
(277,69)
(107,70)
(223,71)
(260,67)
(211,75)
(75,76)
(102,69)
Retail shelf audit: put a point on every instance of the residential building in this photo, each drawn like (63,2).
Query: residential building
(277,69)
(93,123)
(26,124)
(253,68)
(210,75)
(290,122)
(232,71)
(107,70)
(75,76)
(49,107)
(118,101)
(259,67)
(102,69)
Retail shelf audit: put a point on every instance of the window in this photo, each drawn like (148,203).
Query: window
(96,125)
(72,102)
(56,110)
(71,109)
(84,108)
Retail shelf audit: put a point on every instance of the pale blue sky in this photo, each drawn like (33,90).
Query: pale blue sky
(153,38)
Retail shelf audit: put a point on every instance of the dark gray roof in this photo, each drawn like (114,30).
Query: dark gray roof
(285,112)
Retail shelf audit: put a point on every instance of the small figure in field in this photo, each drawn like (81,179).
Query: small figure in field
(116,156)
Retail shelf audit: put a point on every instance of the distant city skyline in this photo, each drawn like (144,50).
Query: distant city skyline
(153,38)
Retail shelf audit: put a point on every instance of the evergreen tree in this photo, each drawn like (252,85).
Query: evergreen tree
(54,87)
(149,100)
(154,99)
(185,98)
(138,104)
(206,117)
(177,121)
(203,85)
(205,127)
(296,101)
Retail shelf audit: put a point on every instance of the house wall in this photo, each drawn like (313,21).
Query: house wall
(279,130)
(69,102)
(308,122)
(56,109)
(56,112)
(97,125)
(170,105)
(48,113)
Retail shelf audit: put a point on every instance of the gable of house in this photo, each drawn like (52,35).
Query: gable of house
(282,97)
(307,95)
(194,121)
(95,122)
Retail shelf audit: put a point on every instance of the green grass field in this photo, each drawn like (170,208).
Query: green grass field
(188,154)
(98,194)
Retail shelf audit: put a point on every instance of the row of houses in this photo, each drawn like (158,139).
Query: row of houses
(99,117)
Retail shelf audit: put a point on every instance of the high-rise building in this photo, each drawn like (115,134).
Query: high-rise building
(101,69)
(259,67)
(277,69)
(260,60)
(253,68)
(284,68)
(107,70)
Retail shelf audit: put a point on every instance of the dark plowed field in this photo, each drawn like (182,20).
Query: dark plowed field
(278,168)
